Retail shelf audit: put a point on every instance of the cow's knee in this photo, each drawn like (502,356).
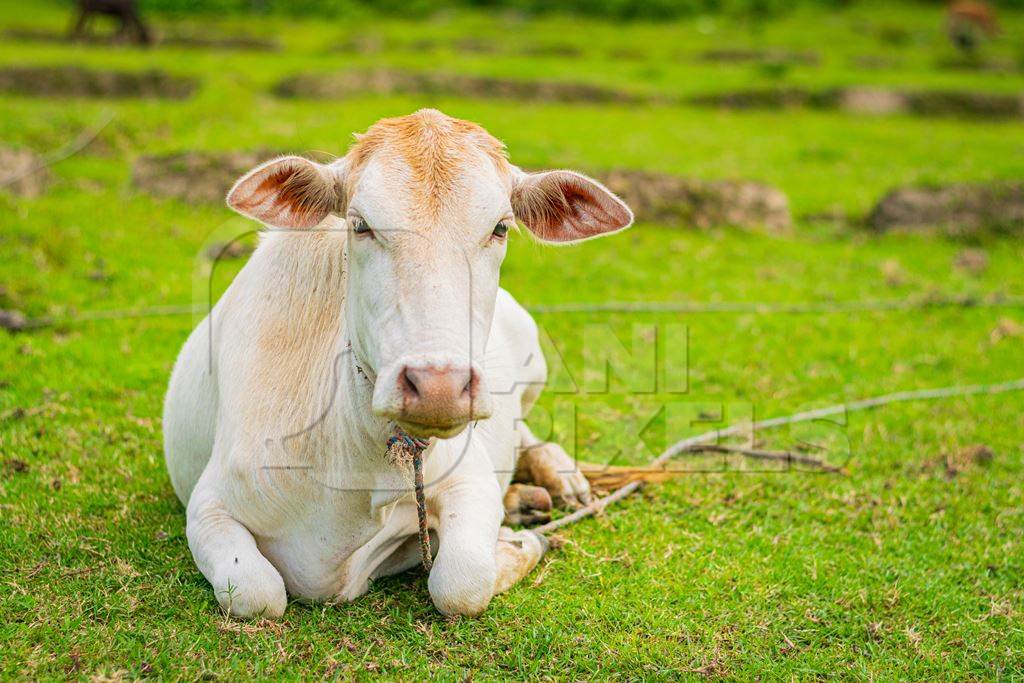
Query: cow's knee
(248,586)
(463,585)
(243,580)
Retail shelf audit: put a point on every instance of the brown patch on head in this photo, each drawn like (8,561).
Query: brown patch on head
(435,147)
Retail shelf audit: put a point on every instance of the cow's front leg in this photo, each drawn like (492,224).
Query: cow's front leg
(477,558)
(244,581)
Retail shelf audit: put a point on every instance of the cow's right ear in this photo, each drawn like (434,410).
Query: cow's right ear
(290,192)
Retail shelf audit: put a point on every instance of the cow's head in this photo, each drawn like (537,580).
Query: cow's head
(429,203)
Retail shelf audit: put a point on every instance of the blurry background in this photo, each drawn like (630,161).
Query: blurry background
(829,194)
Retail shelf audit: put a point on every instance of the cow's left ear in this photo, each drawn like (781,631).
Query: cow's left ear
(290,192)
(565,206)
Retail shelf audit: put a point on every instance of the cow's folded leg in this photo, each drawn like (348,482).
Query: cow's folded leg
(244,581)
(469,516)
(517,553)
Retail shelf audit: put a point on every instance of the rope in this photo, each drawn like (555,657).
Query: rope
(866,404)
(403,448)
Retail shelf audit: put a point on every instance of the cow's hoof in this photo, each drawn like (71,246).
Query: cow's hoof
(256,591)
(527,505)
(551,467)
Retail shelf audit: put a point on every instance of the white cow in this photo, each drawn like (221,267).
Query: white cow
(372,303)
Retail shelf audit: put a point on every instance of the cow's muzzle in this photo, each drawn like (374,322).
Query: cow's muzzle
(437,398)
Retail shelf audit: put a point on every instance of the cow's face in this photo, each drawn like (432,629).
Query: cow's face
(429,203)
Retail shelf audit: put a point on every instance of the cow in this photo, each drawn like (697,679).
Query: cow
(371,307)
(131,26)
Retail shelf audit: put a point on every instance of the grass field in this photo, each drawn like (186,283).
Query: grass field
(902,568)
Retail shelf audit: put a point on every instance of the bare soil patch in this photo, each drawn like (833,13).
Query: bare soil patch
(371,44)
(203,177)
(959,209)
(869,100)
(876,62)
(23,172)
(73,81)
(176,39)
(396,82)
(686,202)
(12,320)
(977,63)
(195,177)
(770,56)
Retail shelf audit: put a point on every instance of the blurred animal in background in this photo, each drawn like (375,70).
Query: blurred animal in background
(131,27)
(970,23)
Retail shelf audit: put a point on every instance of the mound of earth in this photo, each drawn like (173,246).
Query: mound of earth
(672,200)
(23,172)
(223,42)
(740,56)
(551,50)
(202,177)
(959,209)
(876,62)
(73,81)
(870,100)
(195,177)
(397,82)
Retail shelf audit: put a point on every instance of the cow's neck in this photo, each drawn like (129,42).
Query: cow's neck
(305,276)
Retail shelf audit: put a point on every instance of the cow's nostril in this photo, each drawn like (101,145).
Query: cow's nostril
(409,384)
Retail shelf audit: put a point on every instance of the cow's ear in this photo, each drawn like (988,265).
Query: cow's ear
(290,192)
(565,206)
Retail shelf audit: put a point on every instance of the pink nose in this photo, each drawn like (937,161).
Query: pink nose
(438,395)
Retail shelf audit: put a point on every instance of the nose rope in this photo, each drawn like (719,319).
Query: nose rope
(402,448)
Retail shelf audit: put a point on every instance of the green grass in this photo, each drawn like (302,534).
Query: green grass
(894,571)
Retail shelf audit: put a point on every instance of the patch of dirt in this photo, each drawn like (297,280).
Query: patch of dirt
(673,200)
(366,44)
(195,177)
(13,321)
(1006,328)
(961,62)
(628,54)
(224,42)
(973,261)
(15,466)
(764,98)
(963,460)
(741,56)
(23,172)
(196,40)
(73,81)
(397,82)
(551,50)
(872,101)
(960,209)
(876,62)
(869,100)
(966,104)
(202,177)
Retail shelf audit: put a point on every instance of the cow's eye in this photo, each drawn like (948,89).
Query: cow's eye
(360,227)
(500,230)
